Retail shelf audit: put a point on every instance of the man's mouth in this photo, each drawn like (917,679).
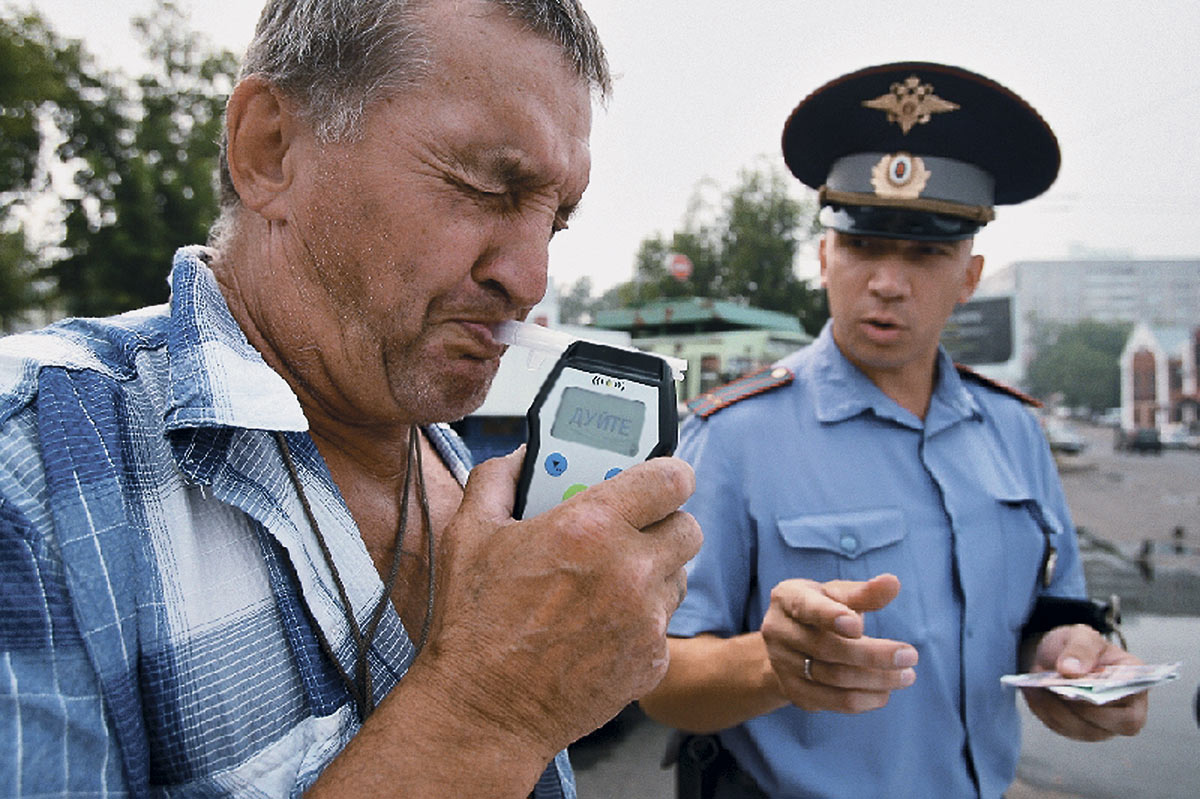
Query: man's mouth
(882,329)
(472,339)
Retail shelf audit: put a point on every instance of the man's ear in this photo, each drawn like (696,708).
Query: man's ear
(974,272)
(261,126)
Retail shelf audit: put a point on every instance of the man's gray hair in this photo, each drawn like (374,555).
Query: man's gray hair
(335,58)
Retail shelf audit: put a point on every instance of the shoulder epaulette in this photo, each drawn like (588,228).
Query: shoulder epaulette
(712,401)
(967,371)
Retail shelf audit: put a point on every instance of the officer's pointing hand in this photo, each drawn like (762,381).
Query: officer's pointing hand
(814,637)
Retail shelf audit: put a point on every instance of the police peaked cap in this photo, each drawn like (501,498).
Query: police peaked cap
(918,150)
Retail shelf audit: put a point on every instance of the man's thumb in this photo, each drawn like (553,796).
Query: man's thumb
(874,594)
(491,488)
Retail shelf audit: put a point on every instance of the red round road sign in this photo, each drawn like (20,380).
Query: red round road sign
(679,266)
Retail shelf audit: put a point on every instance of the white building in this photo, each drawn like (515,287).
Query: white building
(1157,292)
(1160,293)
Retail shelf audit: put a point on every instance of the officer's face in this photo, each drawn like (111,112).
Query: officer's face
(890,298)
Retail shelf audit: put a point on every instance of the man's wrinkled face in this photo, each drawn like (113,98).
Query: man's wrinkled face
(434,226)
(890,298)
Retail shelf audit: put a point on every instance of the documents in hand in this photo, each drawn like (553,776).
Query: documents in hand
(1100,687)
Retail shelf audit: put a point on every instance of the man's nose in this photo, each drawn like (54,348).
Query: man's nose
(889,280)
(516,262)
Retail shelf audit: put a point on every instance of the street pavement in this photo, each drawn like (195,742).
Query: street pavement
(1120,501)
(1126,498)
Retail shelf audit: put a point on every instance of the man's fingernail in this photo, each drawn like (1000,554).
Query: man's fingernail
(846,625)
(905,658)
(908,677)
(1072,665)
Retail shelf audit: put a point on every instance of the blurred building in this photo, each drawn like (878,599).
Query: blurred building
(1159,368)
(1160,293)
(720,340)
(1156,292)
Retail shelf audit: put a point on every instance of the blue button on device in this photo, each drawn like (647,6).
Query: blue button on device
(556,464)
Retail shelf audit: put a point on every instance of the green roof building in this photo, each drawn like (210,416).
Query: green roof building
(720,339)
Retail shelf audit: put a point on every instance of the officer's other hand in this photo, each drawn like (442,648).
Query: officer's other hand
(547,627)
(821,625)
(1075,651)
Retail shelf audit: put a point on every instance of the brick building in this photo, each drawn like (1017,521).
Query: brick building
(1159,368)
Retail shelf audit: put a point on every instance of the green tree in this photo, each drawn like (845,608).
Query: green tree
(17,290)
(575,302)
(29,79)
(743,250)
(1079,361)
(148,185)
(32,87)
(143,154)
(652,281)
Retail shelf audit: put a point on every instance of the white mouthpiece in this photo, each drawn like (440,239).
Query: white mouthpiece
(536,337)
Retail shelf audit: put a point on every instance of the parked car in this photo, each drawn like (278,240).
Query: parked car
(1144,440)
(1062,437)
(1179,437)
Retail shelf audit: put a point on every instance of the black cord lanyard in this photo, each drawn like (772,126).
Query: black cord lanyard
(360,688)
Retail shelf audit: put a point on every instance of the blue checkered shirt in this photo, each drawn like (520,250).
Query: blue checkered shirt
(159,583)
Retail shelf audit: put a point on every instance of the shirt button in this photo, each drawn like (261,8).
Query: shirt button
(849,544)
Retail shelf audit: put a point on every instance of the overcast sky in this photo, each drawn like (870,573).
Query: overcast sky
(703,88)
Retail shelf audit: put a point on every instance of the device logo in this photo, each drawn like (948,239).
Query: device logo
(608,382)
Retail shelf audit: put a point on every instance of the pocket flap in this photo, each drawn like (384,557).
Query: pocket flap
(1042,515)
(848,533)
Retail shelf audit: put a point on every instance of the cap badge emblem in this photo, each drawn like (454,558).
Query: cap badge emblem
(900,177)
(911,103)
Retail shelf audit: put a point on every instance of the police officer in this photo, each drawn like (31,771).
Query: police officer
(885,534)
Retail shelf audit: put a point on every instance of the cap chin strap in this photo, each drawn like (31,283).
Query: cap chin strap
(980,214)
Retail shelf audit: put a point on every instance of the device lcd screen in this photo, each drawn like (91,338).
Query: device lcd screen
(599,420)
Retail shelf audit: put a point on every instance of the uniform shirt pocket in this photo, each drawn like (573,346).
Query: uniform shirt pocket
(850,535)
(855,545)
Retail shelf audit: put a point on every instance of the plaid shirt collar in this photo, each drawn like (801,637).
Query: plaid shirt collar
(217,378)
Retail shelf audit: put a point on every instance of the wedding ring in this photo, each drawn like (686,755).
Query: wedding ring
(808,669)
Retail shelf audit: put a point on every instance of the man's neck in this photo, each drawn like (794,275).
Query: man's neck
(910,385)
(366,457)
(354,448)
(910,390)
(372,457)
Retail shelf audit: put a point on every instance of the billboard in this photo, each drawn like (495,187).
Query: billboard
(980,331)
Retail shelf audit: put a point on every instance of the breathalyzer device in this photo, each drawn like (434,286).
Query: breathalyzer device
(600,410)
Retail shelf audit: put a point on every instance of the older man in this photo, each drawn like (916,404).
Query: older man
(239,558)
